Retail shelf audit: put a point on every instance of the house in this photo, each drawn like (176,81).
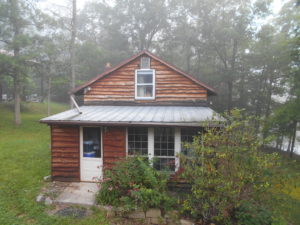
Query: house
(142,106)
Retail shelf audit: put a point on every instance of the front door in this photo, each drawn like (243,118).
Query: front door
(91,162)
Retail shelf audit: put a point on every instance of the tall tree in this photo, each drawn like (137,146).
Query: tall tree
(16,21)
(72,44)
(141,20)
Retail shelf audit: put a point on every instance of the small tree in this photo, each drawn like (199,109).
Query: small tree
(226,170)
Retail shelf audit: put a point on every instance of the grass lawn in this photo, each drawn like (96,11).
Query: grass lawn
(24,161)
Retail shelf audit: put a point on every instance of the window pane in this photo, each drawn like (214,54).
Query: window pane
(92,142)
(187,137)
(164,142)
(145,91)
(167,164)
(138,141)
(145,79)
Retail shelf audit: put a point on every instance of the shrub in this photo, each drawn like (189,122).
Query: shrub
(251,214)
(227,168)
(133,184)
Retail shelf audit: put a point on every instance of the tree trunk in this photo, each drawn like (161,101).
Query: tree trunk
(72,47)
(42,88)
(16,50)
(258,100)
(281,143)
(49,97)
(242,100)
(229,95)
(17,101)
(232,71)
(277,143)
(294,138)
(1,91)
(290,142)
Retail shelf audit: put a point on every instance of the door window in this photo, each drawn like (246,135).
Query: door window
(92,142)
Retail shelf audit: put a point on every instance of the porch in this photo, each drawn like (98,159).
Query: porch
(85,144)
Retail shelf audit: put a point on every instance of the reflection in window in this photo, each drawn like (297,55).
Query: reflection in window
(145,83)
(164,149)
(187,137)
(137,141)
(92,142)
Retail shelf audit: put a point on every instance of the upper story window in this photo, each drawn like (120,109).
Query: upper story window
(145,84)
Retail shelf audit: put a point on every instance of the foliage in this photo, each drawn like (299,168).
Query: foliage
(133,184)
(228,169)
(251,214)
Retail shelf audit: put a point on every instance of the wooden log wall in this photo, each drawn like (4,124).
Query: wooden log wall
(65,153)
(114,145)
(120,85)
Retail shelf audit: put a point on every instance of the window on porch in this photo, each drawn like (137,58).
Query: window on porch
(187,137)
(138,141)
(164,149)
(163,144)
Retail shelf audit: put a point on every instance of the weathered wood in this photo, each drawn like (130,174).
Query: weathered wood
(150,103)
(114,145)
(65,156)
(120,86)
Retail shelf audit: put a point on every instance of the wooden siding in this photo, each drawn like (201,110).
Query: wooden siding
(65,156)
(114,145)
(120,85)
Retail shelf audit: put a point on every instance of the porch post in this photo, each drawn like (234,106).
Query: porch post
(177,147)
(151,143)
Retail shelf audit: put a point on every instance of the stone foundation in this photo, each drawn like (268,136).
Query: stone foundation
(152,216)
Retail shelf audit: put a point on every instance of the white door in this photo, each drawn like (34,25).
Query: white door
(91,161)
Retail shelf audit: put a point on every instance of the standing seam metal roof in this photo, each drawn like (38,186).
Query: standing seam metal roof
(139,115)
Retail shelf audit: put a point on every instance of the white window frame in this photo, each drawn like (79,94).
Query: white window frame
(177,146)
(143,84)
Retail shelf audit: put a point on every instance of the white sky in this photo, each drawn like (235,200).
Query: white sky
(46,4)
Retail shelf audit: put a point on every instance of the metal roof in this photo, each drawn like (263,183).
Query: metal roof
(137,115)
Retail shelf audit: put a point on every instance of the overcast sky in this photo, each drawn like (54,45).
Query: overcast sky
(47,4)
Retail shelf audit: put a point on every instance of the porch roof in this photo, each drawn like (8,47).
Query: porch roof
(137,115)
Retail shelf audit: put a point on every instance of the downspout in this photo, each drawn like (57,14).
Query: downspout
(75,103)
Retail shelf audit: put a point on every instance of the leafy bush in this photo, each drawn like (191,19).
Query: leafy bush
(133,184)
(227,169)
(252,214)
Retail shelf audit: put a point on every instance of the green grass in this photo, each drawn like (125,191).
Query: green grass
(24,161)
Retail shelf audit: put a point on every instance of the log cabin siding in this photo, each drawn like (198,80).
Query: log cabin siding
(114,145)
(120,85)
(65,153)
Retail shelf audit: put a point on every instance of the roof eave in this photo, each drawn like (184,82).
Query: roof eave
(174,124)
